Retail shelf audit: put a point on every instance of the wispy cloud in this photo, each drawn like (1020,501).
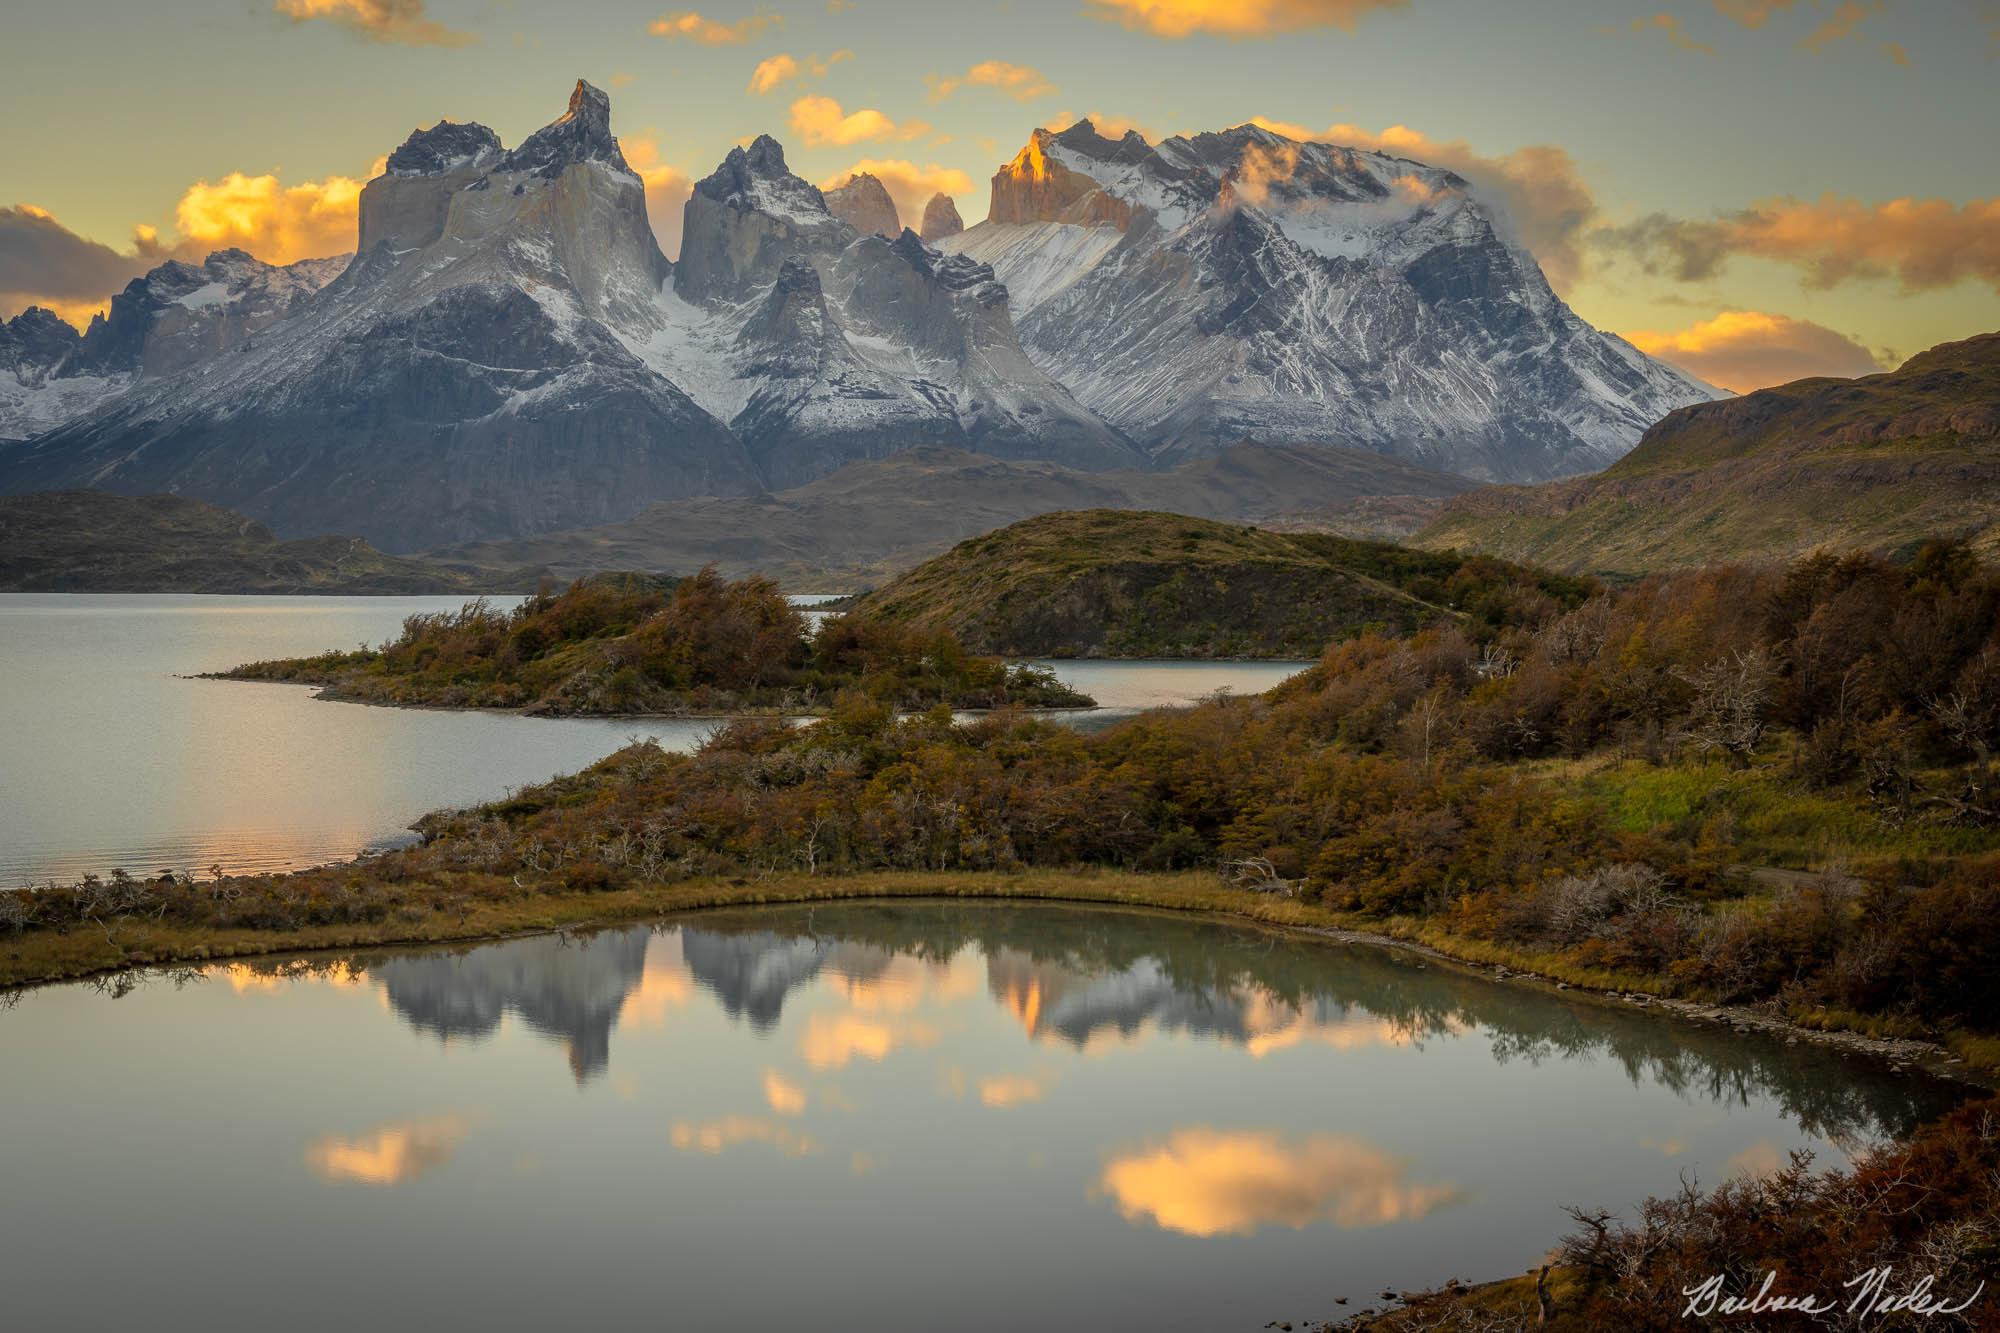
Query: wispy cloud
(1750,349)
(1676,32)
(1236,18)
(1922,244)
(822,122)
(1023,83)
(402,22)
(690,25)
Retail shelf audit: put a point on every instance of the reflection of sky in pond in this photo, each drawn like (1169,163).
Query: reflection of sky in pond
(865,1116)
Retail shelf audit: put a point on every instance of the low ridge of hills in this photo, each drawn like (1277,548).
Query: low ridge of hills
(874,519)
(1881,463)
(94,541)
(1114,583)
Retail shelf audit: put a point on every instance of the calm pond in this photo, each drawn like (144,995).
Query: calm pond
(870,1116)
(114,760)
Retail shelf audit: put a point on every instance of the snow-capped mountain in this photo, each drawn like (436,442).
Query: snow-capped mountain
(458,379)
(508,353)
(172,317)
(1243,284)
(821,345)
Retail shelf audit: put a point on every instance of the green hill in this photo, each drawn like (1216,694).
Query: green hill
(1878,463)
(1118,583)
(94,541)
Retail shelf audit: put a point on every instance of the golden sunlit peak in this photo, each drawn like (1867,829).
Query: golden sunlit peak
(1031,163)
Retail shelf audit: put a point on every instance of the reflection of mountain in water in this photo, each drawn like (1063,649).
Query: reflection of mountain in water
(569,988)
(1075,973)
(752,972)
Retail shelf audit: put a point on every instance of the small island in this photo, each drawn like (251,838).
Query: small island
(636,645)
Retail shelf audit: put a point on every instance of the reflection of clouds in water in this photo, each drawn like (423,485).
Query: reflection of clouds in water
(1001,1091)
(783,1096)
(833,1041)
(664,986)
(244,979)
(1207,1182)
(1759,1160)
(715,1136)
(389,1154)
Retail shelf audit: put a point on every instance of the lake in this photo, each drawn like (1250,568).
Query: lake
(113,759)
(865,1116)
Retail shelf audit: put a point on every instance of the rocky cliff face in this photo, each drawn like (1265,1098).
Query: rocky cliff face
(864,205)
(1219,286)
(940,219)
(821,345)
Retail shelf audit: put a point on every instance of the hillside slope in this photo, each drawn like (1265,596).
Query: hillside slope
(93,541)
(1107,583)
(874,519)
(1879,463)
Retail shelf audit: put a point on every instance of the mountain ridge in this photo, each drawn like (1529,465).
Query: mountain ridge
(1882,462)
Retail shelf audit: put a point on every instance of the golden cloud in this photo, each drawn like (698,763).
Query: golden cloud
(1541,193)
(667,190)
(1237,18)
(821,122)
(389,1154)
(1023,83)
(832,1041)
(1752,13)
(695,27)
(1922,243)
(277,223)
(398,21)
(908,184)
(783,1096)
(1744,350)
(772,72)
(715,1136)
(1206,1182)
(1001,1091)
(1676,32)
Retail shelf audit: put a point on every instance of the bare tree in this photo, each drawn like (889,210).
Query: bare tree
(1731,697)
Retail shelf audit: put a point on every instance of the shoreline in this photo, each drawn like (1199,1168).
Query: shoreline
(82,956)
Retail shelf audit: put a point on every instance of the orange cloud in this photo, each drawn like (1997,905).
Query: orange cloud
(821,121)
(1020,82)
(1748,349)
(1206,1182)
(398,21)
(1237,18)
(784,1096)
(695,27)
(1752,13)
(1922,243)
(390,1154)
(1676,32)
(277,223)
(832,1041)
(1004,1090)
(667,190)
(1539,190)
(714,1136)
(772,72)
(908,184)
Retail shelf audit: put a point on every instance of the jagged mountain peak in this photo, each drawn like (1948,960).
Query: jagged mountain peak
(445,146)
(581,134)
(863,203)
(941,218)
(757,178)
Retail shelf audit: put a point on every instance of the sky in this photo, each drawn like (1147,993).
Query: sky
(1753,189)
